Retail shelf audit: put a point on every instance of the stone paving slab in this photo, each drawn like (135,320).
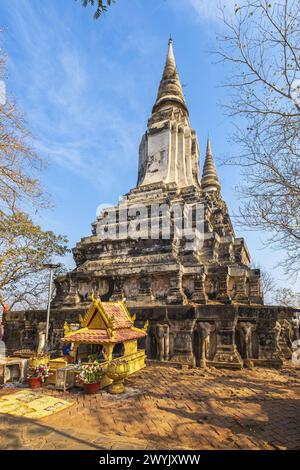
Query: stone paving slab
(168,408)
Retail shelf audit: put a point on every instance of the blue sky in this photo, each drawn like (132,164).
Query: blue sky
(87,88)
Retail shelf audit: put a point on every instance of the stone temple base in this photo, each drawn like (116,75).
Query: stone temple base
(229,359)
(222,336)
(273,363)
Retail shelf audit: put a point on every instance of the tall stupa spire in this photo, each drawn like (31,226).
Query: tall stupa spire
(210,180)
(169,150)
(170,89)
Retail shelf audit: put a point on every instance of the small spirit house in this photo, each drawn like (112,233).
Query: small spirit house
(107,332)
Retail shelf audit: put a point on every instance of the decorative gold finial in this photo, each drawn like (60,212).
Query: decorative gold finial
(93,295)
(66,329)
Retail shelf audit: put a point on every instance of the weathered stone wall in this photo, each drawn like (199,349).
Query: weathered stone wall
(21,329)
(224,336)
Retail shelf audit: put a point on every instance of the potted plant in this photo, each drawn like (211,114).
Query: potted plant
(90,375)
(38,376)
(117,371)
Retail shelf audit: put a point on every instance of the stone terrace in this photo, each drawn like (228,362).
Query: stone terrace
(167,408)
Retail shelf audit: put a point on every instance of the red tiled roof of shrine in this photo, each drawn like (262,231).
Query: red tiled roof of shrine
(105,322)
(101,336)
(116,313)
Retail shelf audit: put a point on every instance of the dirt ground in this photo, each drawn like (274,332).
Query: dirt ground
(168,408)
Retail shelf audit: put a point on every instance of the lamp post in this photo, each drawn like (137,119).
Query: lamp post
(51,267)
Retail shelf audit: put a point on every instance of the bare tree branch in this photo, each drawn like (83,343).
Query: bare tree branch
(24,246)
(262,43)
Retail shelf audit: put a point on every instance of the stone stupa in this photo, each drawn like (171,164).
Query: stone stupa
(201,297)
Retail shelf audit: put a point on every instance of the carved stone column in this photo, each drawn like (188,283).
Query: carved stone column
(211,287)
(268,332)
(151,342)
(285,339)
(223,277)
(255,287)
(227,355)
(55,340)
(159,334)
(175,294)
(240,287)
(29,336)
(205,329)
(163,342)
(145,286)
(41,338)
(72,298)
(118,289)
(199,295)
(246,330)
(183,343)
(145,295)
(62,287)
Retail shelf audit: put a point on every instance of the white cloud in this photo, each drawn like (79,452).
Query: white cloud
(211,9)
(66,93)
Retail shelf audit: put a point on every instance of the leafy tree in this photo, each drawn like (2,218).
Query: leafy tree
(262,45)
(24,250)
(24,246)
(101,6)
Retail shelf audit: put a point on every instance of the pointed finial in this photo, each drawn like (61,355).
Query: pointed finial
(210,180)
(170,90)
(170,62)
(208,147)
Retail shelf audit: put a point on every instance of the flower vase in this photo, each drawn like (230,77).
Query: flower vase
(35,382)
(117,371)
(91,389)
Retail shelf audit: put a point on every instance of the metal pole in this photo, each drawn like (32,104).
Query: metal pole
(48,309)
